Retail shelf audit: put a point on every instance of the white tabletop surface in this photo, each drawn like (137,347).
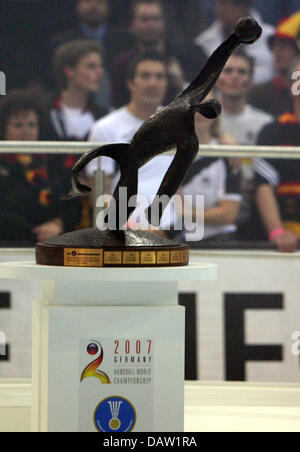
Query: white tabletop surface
(32,271)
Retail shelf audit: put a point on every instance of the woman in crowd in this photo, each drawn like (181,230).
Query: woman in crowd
(218,180)
(31,185)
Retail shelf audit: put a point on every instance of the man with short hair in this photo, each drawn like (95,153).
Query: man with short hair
(274,96)
(240,120)
(148,27)
(228,13)
(147,82)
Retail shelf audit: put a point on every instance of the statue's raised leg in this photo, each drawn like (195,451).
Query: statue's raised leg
(127,188)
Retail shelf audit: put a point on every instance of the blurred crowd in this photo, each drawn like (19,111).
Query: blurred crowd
(120,62)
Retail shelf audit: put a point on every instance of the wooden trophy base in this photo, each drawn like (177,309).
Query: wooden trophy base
(94,248)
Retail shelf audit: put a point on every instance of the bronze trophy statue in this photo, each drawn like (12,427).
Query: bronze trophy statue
(173,126)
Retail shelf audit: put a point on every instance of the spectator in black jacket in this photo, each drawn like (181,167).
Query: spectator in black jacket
(31,185)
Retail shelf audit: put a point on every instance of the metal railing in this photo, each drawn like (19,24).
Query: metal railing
(47,147)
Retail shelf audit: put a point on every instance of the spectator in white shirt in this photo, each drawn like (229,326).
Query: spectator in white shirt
(78,70)
(147,81)
(228,13)
(239,119)
(242,121)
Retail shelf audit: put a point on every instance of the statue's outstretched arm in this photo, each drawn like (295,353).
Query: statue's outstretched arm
(118,152)
(247,31)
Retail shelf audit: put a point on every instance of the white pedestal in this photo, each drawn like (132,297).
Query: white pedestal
(132,316)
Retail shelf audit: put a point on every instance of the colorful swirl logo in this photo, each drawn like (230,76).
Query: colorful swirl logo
(92,369)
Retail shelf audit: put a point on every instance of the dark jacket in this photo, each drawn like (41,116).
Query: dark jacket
(273,97)
(31,187)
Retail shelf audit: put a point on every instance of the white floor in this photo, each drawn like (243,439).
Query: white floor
(242,407)
(209,407)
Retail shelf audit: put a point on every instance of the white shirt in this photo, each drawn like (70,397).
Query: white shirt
(76,123)
(245,127)
(211,38)
(119,127)
(213,179)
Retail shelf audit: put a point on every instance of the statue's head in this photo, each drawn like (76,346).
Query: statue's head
(248,30)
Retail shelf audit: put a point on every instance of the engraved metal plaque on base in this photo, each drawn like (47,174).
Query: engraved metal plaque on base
(92,248)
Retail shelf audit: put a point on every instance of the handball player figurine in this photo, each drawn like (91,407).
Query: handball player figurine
(173,126)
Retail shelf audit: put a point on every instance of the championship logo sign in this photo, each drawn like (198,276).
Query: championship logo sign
(115,384)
